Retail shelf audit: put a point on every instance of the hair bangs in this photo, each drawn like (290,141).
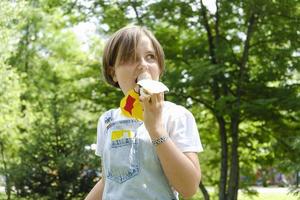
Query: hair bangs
(127,52)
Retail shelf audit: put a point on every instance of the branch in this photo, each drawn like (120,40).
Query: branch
(120,6)
(198,100)
(209,34)
(295,19)
(244,58)
(139,19)
(217,16)
(250,29)
(274,41)
(69,10)
(202,101)
(204,191)
(236,61)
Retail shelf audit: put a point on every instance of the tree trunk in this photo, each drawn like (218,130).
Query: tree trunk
(297,179)
(233,185)
(224,158)
(7,187)
(204,191)
(6,174)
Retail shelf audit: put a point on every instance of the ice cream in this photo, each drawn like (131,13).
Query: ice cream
(144,76)
(130,104)
(149,86)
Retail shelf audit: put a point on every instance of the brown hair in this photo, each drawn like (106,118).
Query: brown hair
(121,46)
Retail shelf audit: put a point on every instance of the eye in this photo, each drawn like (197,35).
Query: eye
(150,57)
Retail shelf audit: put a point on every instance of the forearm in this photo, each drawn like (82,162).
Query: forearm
(96,192)
(182,170)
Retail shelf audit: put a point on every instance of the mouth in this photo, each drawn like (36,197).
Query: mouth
(143,76)
(136,87)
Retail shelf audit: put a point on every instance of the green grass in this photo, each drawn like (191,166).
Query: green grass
(273,196)
(276,195)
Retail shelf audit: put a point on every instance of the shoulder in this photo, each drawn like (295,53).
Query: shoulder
(175,111)
(182,128)
(108,116)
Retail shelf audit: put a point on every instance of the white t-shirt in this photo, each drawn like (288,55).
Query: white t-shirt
(131,167)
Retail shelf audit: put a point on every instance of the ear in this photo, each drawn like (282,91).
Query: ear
(112,73)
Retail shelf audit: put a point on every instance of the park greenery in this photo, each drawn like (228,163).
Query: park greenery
(237,68)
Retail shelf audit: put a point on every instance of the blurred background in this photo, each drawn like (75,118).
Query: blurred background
(234,64)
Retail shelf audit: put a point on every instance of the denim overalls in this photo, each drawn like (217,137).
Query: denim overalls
(131,167)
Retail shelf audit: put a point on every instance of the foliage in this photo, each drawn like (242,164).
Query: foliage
(236,69)
(54,115)
(236,65)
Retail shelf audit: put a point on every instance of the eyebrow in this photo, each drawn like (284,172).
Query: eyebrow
(150,51)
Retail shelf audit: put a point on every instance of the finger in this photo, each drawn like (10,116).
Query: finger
(153,98)
(142,99)
(160,97)
(137,88)
(145,98)
(149,99)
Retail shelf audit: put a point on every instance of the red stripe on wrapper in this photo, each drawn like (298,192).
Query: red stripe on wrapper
(129,104)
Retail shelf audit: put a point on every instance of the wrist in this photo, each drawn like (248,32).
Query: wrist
(160,140)
(155,133)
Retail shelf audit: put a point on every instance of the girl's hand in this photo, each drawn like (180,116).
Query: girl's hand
(153,120)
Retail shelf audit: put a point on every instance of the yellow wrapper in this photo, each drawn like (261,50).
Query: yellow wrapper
(131,105)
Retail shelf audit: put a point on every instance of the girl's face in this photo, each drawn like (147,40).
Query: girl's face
(127,73)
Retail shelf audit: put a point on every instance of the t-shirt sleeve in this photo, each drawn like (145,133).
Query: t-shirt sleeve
(184,133)
(100,136)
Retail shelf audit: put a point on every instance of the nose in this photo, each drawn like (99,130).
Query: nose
(143,65)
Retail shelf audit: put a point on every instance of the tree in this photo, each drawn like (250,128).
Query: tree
(236,68)
(59,105)
(235,63)
(10,91)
